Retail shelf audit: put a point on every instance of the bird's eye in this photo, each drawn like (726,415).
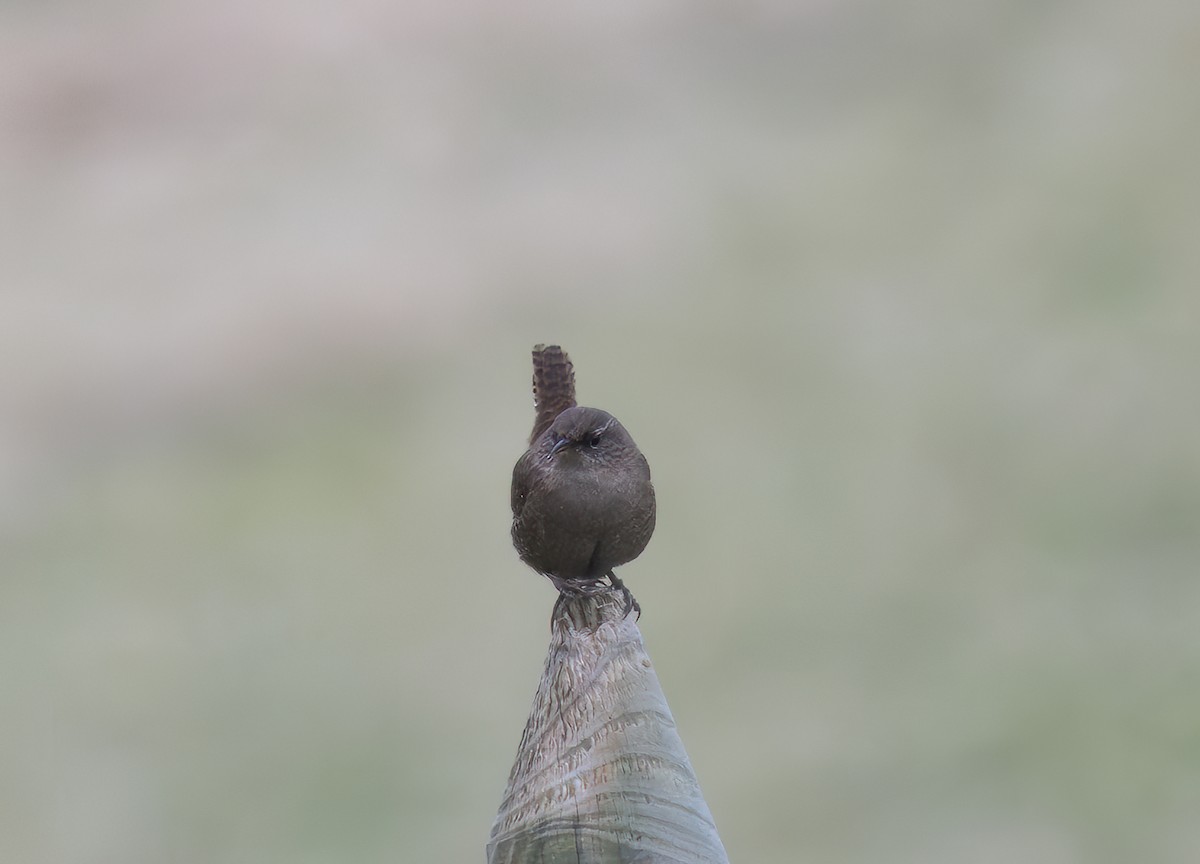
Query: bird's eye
(593,440)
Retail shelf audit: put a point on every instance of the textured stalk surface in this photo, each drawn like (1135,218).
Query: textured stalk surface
(601,775)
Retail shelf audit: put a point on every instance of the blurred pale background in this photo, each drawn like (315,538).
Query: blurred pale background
(900,300)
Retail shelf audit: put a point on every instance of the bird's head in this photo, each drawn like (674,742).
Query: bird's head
(590,433)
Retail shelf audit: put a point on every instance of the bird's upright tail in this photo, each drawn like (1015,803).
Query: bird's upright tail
(553,386)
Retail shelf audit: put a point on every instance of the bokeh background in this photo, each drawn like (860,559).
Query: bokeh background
(900,300)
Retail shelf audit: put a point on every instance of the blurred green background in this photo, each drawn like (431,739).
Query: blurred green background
(900,301)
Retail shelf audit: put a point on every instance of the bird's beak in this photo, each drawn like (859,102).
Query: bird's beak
(558,445)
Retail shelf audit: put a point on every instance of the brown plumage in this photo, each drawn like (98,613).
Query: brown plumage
(581,496)
(553,386)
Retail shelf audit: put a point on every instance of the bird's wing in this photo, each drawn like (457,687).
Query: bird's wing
(520,484)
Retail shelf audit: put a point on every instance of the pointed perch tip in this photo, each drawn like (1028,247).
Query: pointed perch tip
(601,774)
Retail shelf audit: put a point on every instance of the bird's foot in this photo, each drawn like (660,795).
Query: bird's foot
(631,604)
(569,589)
(558,604)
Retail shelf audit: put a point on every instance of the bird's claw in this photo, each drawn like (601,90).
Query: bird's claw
(631,604)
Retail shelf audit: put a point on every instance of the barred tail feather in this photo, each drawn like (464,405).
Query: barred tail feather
(553,386)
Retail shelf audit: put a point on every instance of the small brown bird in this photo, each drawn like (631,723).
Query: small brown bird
(582,500)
